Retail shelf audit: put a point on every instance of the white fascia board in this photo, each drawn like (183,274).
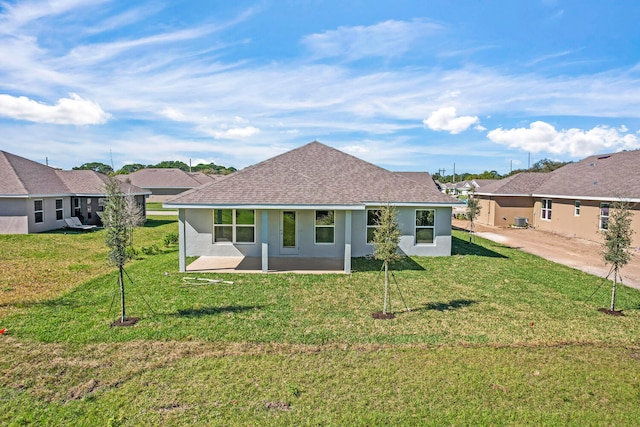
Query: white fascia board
(265,207)
(417,204)
(479,193)
(597,199)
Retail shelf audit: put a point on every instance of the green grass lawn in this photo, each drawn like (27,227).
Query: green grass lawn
(494,336)
(157,206)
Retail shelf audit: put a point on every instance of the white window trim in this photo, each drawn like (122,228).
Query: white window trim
(577,206)
(367,226)
(421,227)
(38,211)
(543,209)
(61,210)
(333,226)
(600,216)
(233,226)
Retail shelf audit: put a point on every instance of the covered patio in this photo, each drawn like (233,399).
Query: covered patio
(218,264)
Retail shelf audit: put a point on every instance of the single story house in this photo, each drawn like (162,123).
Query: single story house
(312,202)
(573,200)
(164,183)
(35,197)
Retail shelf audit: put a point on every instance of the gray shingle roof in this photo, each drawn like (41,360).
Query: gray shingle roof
(604,176)
(524,183)
(313,174)
(24,177)
(165,178)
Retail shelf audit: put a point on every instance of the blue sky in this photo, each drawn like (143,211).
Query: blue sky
(407,85)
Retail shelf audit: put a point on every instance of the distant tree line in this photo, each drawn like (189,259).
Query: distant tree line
(544,165)
(208,168)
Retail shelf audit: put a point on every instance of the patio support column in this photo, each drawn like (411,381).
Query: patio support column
(347,241)
(265,241)
(182,253)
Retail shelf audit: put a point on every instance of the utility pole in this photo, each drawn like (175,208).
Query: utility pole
(454,172)
(529,161)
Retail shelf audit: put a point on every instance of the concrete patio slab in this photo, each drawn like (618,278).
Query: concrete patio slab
(207,264)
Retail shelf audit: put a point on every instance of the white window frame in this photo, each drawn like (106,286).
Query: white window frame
(545,209)
(324,226)
(604,219)
(370,226)
(234,227)
(576,208)
(37,211)
(424,227)
(59,210)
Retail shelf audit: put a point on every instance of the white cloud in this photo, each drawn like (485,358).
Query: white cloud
(73,110)
(388,38)
(235,133)
(541,136)
(446,119)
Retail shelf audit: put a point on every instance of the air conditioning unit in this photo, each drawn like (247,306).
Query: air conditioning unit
(521,221)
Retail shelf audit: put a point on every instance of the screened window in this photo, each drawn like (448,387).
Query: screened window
(373,222)
(576,209)
(89,208)
(325,227)
(59,210)
(425,225)
(234,225)
(38,211)
(76,207)
(604,216)
(545,212)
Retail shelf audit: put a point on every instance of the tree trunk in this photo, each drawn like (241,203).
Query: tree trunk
(121,279)
(613,289)
(386,287)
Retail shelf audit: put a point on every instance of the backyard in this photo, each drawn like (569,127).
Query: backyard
(494,336)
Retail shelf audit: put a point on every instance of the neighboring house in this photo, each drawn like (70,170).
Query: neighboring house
(573,200)
(312,202)
(167,182)
(463,188)
(35,197)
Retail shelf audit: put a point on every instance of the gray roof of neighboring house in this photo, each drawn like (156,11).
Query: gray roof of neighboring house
(599,177)
(481,183)
(166,178)
(20,177)
(604,176)
(520,184)
(313,174)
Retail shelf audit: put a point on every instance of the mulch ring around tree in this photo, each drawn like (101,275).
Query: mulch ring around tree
(128,321)
(611,312)
(381,315)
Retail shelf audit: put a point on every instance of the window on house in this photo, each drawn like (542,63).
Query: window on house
(545,212)
(373,222)
(425,225)
(89,208)
(76,207)
(38,211)
(59,210)
(604,216)
(234,225)
(576,209)
(325,226)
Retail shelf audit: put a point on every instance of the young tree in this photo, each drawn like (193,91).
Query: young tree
(617,240)
(116,223)
(473,210)
(133,214)
(386,239)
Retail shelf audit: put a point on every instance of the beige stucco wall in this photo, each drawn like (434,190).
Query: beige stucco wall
(13,216)
(585,226)
(502,211)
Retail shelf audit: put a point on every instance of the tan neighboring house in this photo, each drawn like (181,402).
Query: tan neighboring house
(311,202)
(573,200)
(167,182)
(36,198)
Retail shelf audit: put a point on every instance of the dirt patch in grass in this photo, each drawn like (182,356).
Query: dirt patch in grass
(384,316)
(611,312)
